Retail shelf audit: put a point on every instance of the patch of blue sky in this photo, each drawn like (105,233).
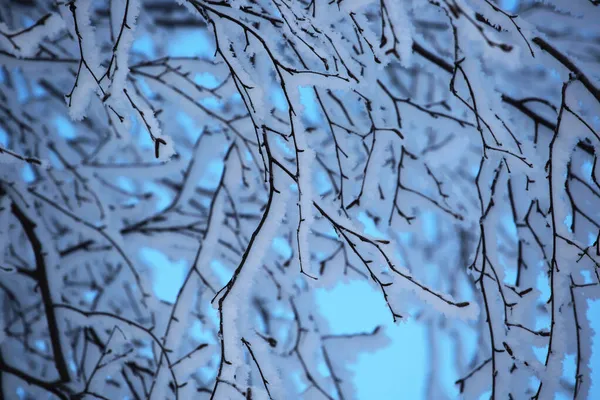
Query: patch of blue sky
(470,340)
(404,237)
(586,170)
(399,258)
(143,137)
(40,345)
(191,43)
(2,77)
(209,372)
(206,80)
(201,335)
(162,195)
(569,222)
(384,374)
(465,288)
(283,333)
(593,316)
(27,173)
(236,98)
(356,307)
(348,312)
(261,325)
(323,183)
(509,5)
(540,353)
(319,255)
(221,271)
(72,365)
(429,225)
(212,103)
(205,201)
(542,281)
(125,184)
(587,276)
(168,275)
(510,269)
(188,125)
(534,383)
(285,146)
(591,238)
(211,313)
(3,138)
(449,374)
(331,233)
(309,101)
(282,247)
(298,382)
(486,395)
(279,311)
(431,271)
(322,368)
(134,127)
(369,224)
(510,226)
(278,98)
(144,45)
(145,88)
(212,177)
(569,367)
(21,394)
(301,283)
(542,322)
(90,295)
(37,90)
(132,201)
(27,21)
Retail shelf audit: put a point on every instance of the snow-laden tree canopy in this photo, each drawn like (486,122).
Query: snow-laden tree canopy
(444,151)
